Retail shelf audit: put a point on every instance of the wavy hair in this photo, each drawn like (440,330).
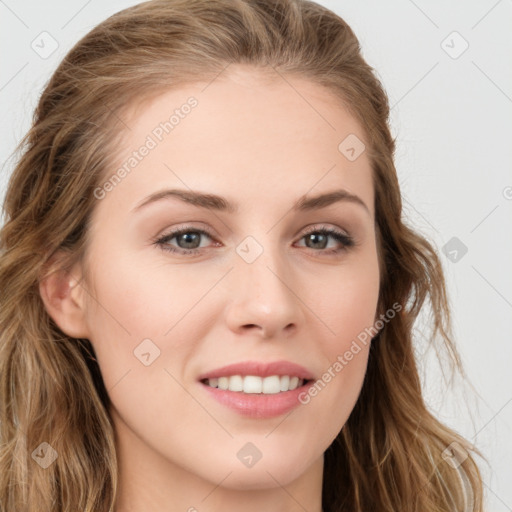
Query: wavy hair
(391,454)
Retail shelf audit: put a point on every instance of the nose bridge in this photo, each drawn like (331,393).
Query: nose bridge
(262,293)
(266,273)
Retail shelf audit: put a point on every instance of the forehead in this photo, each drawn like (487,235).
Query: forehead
(246,132)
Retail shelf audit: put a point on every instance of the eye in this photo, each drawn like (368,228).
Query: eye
(188,240)
(318,238)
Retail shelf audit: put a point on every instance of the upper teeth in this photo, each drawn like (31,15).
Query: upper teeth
(255,384)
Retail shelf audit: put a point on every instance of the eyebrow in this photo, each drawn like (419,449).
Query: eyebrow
(219,203)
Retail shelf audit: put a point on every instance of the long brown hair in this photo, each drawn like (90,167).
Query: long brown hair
(391,454)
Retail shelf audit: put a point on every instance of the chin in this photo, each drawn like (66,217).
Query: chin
(264,477)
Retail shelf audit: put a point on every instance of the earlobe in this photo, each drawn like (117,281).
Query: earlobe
(63,298)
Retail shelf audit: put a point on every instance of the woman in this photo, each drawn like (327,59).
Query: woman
(209,291)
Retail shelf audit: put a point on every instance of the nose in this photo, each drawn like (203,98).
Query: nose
(263,298)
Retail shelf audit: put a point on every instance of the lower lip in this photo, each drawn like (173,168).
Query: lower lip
(259,405)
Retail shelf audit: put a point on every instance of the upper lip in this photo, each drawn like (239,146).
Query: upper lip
(260,369)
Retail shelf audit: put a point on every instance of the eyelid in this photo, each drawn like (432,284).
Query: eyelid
(320,227)
(187,227)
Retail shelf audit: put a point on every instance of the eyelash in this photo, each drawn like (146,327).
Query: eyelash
(346,240)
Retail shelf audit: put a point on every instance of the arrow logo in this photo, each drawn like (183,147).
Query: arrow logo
(147,352)
(249,455)
(44,455)
(455,249)
(249,253)
(41,454)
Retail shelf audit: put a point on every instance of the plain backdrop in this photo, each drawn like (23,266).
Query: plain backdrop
(447,68)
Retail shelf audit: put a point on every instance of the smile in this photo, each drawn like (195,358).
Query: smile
(254,384)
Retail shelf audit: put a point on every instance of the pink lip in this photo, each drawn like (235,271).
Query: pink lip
(259,405)
(260,369)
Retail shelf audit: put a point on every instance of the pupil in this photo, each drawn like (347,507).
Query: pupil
(186,238)
(315,237)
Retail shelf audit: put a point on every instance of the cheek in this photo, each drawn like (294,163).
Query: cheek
(134,301)
(140,300)
(348,305)
(125,309)
(349,311)
(348,308)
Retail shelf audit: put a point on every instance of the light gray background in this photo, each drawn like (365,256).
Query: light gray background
(452,113)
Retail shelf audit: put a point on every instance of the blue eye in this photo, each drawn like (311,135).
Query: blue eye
(322,235)
(190,240)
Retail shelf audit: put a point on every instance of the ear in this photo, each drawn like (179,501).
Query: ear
(63,297)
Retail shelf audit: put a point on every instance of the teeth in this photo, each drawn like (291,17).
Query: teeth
(235,383)
(223,383)
(254,384)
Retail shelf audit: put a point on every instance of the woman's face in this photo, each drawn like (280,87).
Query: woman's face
(264,284)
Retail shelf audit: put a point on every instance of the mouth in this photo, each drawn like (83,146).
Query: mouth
(256,385)
(257,397)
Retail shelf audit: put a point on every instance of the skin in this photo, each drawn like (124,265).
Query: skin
(262,146)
